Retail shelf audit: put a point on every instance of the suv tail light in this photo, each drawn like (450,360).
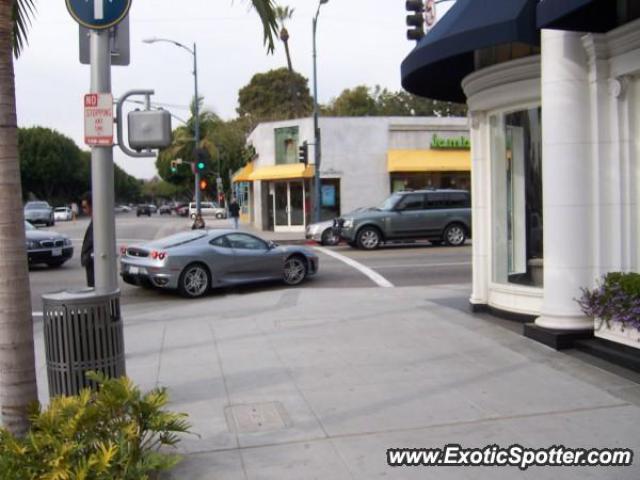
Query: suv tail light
(123,250)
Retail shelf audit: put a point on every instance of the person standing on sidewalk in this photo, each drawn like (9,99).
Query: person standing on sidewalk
(86,254)
(234,212)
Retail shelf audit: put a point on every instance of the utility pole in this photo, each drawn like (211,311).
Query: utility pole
(316,128)
(102,182)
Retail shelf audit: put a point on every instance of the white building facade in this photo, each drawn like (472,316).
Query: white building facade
(364,159)
(555,142)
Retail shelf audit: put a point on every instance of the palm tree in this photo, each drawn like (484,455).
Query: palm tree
(17,363)
(283,14)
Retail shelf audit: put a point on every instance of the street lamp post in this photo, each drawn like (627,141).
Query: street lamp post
(196,112)
(316,128)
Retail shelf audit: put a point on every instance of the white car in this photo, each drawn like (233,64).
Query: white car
(323,233)
(121,209)
(207,209)
(63,214)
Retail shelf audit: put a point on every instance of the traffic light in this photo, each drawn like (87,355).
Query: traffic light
(303,153)
(202,160)
(204,184)
(174,166)
(415,20)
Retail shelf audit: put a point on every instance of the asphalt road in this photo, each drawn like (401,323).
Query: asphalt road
(397,265)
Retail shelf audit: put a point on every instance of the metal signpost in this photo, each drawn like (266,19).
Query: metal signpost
(99,16)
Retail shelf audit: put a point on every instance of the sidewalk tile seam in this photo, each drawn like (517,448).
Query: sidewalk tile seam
(413,429)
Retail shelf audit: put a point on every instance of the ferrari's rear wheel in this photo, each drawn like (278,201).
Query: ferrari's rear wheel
(194,281)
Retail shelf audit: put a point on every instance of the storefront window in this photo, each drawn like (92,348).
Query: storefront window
(330,198)
(242,195)
(419,181)
(286,145)
(516,156)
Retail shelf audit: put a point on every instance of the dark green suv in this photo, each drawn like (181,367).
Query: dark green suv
(440,216)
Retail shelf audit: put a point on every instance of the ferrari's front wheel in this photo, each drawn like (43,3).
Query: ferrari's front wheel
(295,270)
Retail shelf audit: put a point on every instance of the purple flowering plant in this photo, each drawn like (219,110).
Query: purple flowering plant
(615,299)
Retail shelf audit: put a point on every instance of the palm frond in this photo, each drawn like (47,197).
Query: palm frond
(23,11)
(267,13)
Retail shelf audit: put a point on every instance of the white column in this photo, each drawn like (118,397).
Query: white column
(481,217)
(567,180)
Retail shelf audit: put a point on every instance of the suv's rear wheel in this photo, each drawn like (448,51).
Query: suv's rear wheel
(454,235)
(369,238)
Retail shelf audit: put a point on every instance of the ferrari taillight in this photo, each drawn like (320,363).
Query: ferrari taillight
(156,255)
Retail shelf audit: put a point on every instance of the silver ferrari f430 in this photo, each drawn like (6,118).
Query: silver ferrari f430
(193,262)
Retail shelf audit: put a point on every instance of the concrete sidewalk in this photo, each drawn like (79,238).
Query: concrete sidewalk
(319,383)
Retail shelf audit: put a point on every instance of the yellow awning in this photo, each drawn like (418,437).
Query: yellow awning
(282,172)
(242,175)
(429,161)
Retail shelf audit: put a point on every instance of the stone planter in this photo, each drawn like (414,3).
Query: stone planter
(614,332)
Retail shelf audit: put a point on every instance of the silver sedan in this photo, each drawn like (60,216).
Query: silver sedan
(194,262)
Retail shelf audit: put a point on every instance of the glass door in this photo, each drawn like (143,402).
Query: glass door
(288,206)
(296,204)
(281,205)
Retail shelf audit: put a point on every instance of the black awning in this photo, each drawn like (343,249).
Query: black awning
(436,67)
(577,15)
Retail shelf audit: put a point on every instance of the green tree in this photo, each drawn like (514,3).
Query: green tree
(283,14)
(224,141)
(51,165)
(364,101)
(275,95)
(158,189)
(127,188)
(355,102)
(53,168)
(18,386)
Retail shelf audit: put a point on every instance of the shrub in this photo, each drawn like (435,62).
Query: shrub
(616,299)
(114,433)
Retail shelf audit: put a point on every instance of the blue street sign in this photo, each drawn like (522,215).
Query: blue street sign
(98,14)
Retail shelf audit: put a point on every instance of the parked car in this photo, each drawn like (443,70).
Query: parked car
(121,209)
(153,208)
(63,214)
(39,212)
(165,209)
(323,233)
(183,210)
(45,246)
(441,216)
(207,209)
(143,209)
(195,261)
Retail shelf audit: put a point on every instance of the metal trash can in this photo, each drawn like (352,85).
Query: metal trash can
(83,331)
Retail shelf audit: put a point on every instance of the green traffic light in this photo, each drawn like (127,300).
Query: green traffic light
(200,165)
